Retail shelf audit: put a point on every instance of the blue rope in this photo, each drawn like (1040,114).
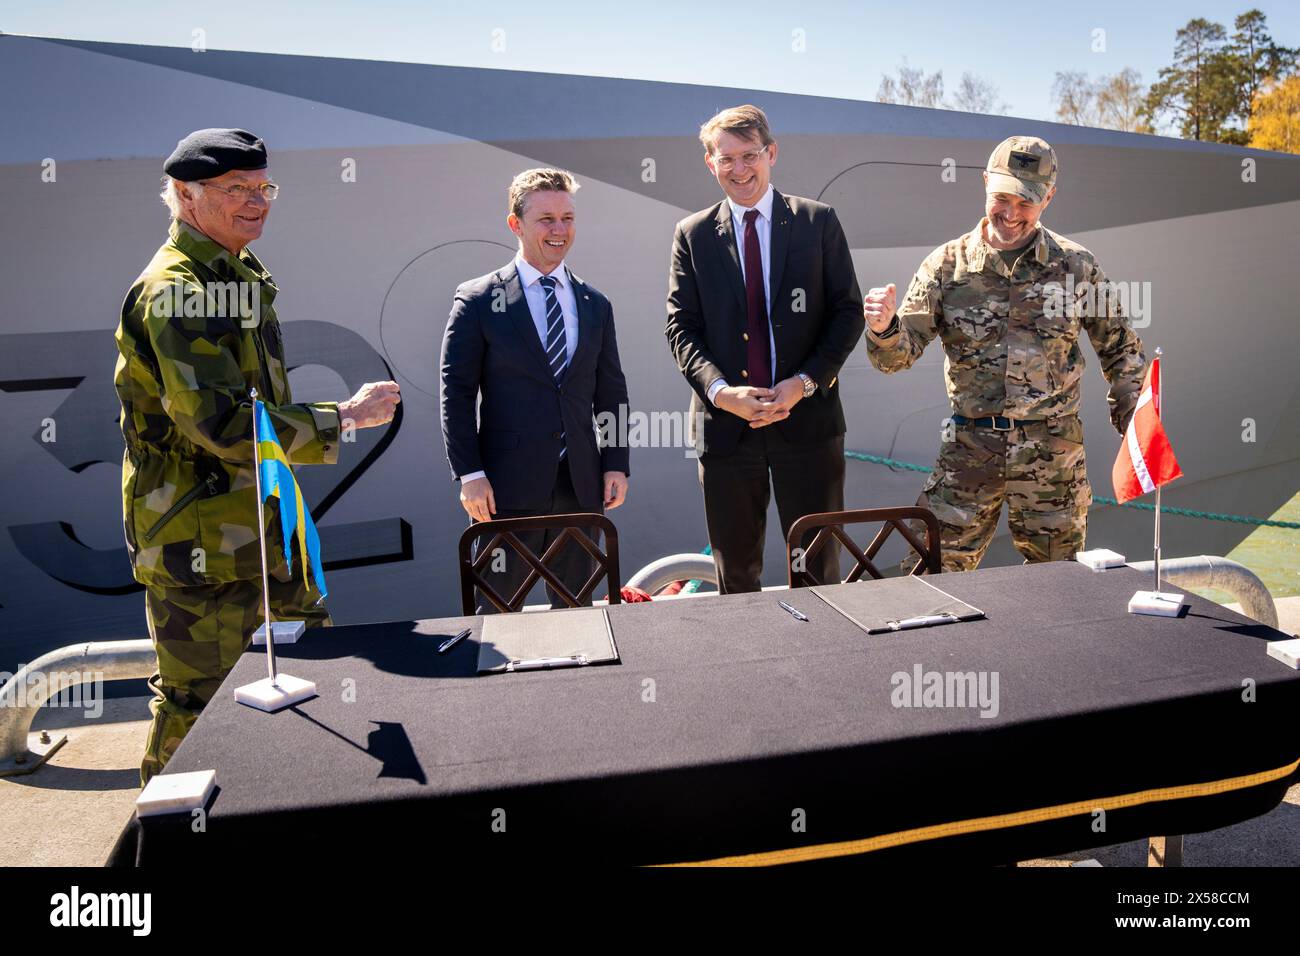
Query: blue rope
(1098,499)
(694,585)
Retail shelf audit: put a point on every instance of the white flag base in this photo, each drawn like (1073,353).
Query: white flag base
(175,793)
(275,694)
(1288,652)
(1159,603)
(284,632)
(1099,559)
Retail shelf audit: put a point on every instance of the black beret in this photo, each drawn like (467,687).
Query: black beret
(207,153)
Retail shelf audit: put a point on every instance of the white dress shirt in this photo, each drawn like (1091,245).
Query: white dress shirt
(763,226)
(535,296)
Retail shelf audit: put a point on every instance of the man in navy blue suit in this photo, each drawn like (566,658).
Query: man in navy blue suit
(536,344)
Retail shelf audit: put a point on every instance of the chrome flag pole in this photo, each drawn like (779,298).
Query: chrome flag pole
(1145,463)
(261,537)
(1160,410)
(275,691)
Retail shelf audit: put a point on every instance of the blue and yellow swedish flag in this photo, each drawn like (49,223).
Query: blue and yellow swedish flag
(278,480)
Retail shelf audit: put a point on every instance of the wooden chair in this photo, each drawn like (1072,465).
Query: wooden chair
(830,527)
(503,532)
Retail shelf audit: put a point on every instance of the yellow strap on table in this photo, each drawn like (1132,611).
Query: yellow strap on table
(824,851)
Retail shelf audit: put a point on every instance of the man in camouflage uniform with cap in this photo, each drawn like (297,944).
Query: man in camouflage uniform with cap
(198,330)
(1009,301)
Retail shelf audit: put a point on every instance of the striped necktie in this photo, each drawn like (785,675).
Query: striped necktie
(557,346)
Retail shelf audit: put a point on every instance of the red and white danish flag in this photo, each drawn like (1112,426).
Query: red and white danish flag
(1145,459)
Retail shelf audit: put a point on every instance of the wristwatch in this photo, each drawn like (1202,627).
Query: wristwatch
(809,386)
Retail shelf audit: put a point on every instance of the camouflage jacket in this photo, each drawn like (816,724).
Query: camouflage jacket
(198,330)
(1011,340)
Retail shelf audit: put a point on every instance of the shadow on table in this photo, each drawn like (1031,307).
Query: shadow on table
(388,743)
(1233,623)
(405,648)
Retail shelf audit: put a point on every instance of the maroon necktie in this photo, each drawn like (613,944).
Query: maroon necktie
(760,374)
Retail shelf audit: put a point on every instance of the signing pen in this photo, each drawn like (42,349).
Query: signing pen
(798,615)
(926,621)
(451,642)
(544,663)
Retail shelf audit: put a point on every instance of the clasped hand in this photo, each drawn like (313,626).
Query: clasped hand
(761,406)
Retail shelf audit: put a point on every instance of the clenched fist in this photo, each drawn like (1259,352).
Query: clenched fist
(374,404)
(878,307)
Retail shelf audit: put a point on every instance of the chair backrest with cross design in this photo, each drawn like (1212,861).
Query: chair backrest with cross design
(829,527)
(503,533)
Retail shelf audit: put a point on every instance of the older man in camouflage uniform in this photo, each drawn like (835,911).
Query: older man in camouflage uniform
(198,330)
(1009,301)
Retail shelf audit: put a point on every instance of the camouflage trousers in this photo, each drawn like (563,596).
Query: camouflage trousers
(199,633)
(1037,469)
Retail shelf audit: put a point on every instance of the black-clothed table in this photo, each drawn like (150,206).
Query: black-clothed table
(731,729)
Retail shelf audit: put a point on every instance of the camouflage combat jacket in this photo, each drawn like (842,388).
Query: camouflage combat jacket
(1011,339)
(198,330)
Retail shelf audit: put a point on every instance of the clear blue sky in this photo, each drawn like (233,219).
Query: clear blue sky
(849,44)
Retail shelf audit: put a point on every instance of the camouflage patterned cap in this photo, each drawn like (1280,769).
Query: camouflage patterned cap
(1023,166)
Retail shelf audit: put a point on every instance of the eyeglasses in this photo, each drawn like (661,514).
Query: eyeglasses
(244,193)
(728,163)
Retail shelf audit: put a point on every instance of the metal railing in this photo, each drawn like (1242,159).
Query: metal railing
(1222,574)
(22,751)
(675,567)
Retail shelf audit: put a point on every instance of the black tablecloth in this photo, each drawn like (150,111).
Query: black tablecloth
(730,729)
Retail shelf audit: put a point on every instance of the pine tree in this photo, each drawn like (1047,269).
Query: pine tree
(1259,60)
(1198,88)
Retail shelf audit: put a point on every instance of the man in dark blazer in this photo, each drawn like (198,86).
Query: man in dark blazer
(536,344)
(763,310)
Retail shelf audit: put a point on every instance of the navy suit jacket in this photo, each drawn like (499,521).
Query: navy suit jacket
(491,348)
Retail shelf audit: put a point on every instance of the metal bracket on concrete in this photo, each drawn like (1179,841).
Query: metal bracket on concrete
(21,698)
(40,748)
